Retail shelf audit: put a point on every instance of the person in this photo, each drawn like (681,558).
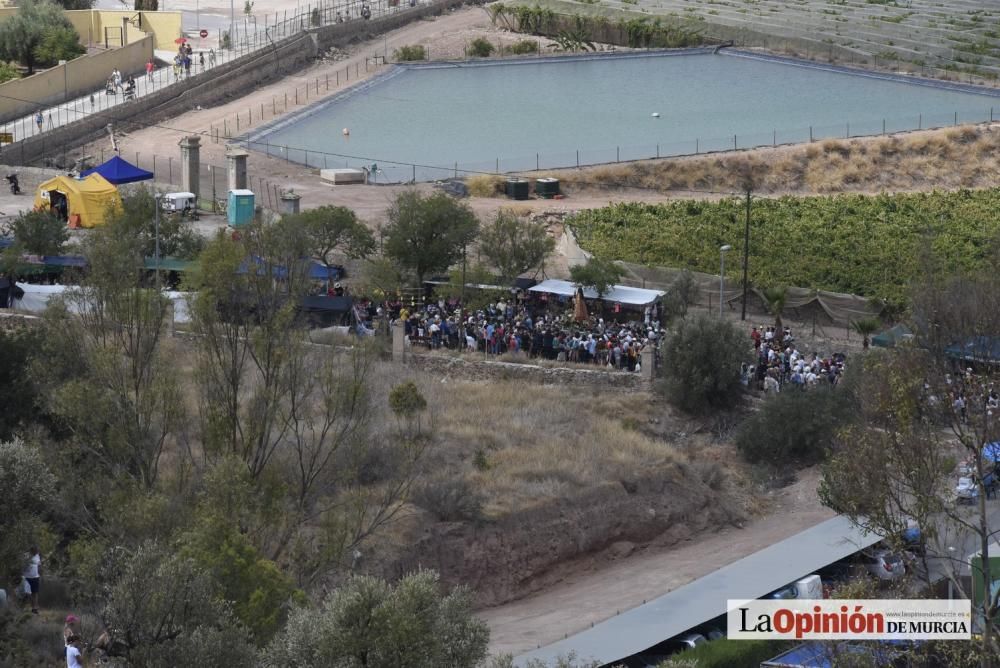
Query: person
(116,77)
(149,69)
(201,60)
(187,65)
(177,67)
(74,657)
(39,120)
(211,57)
(33,574)
(71,628)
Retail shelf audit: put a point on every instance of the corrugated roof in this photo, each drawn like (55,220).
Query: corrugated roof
(705,599)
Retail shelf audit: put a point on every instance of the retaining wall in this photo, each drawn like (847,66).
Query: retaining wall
(22,97)
(217,85)
(469,369)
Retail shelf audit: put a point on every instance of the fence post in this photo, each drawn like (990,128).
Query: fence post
(414,173)
(956,118)
(328,82)
(657,150)
(848,131)
(296,95)
(734,142)
(883,126)
(577,158)
(920,122)
(774,140)
(810,133)
(498,165)
(456,170)
(154,165)
(696,146)
(536,162)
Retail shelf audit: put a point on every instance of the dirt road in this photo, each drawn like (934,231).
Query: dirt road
(584,599)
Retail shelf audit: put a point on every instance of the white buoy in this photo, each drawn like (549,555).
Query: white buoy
(347,133)
(655,114)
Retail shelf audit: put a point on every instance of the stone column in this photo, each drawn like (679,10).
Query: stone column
(398,342)
(236,166)
(191,165)
(648,363)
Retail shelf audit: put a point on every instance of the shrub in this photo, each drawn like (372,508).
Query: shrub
(481,48)
(725,653)
(795,426)
(370,622)
(485,185)
(523,47)
(410,52)
(702,365)
(450,500)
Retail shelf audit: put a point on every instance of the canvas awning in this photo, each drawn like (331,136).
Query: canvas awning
(118,171)
(623,294)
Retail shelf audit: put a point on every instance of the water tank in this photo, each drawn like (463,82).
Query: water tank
(547,188)
(240,208)
(517,188)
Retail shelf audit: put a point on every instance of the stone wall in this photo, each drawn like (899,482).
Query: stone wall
(215,86)
(473,369)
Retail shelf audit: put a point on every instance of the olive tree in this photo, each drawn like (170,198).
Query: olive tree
(513,245)
(370,623)
(428,234)
(702,361)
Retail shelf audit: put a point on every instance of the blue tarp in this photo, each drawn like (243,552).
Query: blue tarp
(118,171)
(984,349)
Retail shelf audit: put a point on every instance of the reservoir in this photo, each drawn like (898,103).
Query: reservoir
(435,120)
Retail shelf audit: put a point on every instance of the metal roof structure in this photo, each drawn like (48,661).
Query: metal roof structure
(623,294)
(675,612)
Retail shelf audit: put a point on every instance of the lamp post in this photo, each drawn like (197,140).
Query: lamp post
(156,238)
(722,272)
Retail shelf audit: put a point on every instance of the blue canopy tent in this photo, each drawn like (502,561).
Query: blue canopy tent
(117,171)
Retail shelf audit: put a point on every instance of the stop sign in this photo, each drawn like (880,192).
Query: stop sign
(203,33)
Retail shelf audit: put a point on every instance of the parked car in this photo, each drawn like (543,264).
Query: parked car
(784,593)
(883,564)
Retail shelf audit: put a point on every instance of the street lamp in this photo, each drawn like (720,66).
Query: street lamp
(722,272)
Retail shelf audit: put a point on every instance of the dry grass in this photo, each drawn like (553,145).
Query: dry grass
(960,157)
(522,444)
(485,185)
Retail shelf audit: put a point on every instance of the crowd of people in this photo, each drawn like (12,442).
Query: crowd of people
(779,364)
(533,327)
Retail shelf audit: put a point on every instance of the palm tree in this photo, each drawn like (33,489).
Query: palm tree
(866,327)
(775,299)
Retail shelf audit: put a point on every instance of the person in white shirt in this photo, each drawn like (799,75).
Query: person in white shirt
(32,573)
(74,657)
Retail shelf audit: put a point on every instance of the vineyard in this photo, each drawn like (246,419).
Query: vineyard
(865,245)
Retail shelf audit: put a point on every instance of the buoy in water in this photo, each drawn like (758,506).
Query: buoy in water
(347,133)
(655,114)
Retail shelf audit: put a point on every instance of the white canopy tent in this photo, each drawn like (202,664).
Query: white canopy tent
(623,294)
(36,300)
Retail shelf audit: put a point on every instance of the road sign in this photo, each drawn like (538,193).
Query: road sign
(203,33)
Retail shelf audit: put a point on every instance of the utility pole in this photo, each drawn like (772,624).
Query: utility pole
(156,235)
(746,258)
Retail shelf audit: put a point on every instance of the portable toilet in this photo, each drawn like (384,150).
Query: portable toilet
(241,207)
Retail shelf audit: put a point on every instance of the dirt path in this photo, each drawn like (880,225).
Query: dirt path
(584,599)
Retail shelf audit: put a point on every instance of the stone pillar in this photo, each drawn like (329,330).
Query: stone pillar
(290,202)
(236,166)
(191,165)
(648,362)
(398,342)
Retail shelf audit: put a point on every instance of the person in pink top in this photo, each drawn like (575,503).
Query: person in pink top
(149,68)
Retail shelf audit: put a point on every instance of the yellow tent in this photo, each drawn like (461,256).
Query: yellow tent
(84,203)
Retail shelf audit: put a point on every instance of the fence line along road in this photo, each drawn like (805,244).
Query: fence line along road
(251,36)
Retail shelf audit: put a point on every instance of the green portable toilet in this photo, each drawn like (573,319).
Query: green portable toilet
(240,207)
